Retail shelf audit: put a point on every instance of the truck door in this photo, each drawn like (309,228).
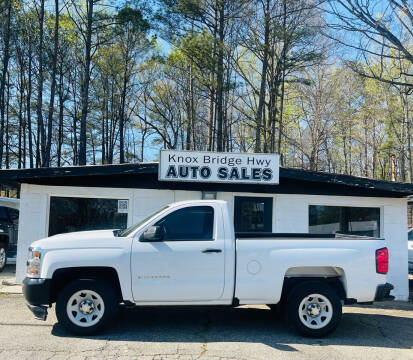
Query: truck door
(187,264)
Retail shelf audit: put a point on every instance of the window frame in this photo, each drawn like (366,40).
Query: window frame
(348,205)
(267,217)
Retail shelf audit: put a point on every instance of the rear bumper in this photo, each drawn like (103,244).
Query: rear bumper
(37,291)
(383,292)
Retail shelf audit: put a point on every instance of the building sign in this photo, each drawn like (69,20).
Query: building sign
(176,165)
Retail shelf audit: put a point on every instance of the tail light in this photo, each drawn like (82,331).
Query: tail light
(382,261)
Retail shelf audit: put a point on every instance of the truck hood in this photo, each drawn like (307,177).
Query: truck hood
(81,239)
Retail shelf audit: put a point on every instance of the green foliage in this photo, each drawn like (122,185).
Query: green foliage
(133,18)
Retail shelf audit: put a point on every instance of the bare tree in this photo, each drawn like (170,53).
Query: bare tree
(379,31)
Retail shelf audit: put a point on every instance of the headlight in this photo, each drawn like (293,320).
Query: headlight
(34,262)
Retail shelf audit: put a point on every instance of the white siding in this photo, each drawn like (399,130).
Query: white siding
(290,214)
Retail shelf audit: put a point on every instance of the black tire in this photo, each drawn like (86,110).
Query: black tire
(298,294)
(277,310)
(3,250)
(103,289)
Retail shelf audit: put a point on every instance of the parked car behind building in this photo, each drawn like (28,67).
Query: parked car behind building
(9,221)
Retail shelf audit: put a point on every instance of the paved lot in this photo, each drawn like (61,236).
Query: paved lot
(383,332)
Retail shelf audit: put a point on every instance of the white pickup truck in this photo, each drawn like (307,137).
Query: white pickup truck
(188,254)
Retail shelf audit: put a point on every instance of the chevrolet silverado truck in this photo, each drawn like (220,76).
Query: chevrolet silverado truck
(187,253)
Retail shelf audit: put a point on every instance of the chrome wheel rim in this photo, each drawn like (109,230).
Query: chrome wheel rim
(315,311)
(85,308)
(2,257)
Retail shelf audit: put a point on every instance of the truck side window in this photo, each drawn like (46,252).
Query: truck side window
(190,223)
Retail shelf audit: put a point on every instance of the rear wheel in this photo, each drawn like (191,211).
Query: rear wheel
(84,307)
(3,256)
(314,309)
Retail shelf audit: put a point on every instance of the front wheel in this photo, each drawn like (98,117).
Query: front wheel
(84,307)
(3,256)
(314,309)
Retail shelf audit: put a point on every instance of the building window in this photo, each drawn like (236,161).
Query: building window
(252,214)
(68,214)
(344,220)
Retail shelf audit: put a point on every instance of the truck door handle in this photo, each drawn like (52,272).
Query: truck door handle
(206,251)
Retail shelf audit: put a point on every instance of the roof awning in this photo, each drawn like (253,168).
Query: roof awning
(144,175)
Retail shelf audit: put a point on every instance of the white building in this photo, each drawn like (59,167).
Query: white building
(68,199)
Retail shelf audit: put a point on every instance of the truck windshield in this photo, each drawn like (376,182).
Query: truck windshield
(132,228)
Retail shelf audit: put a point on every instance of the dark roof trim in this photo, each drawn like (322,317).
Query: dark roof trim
(57,176)
(117,169)
(349,180)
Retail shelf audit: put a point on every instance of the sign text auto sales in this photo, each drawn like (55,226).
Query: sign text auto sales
(195,166)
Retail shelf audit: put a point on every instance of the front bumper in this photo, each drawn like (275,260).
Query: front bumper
(39,311)
(37,293)
(383,292)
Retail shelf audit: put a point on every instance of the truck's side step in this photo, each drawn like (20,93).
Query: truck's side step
(129,304)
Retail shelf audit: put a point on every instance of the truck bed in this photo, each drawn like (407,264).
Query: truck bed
(264,260)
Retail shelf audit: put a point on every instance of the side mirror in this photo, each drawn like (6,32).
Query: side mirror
(153,233)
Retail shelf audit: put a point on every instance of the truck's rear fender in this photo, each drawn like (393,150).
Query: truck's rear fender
(78,262)
(333,276)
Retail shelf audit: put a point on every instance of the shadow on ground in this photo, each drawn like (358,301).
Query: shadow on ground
(254,325)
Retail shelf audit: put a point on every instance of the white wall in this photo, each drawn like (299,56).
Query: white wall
(290,214)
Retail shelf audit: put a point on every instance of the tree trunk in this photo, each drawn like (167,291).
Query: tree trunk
(409,145)
(52,86)
(122,111)
(42,135)
(366,158)
(190,109)
(28,104)
(220,76)
(60,130)
(104,114)
(6,57)
(211,131)
(261,101)
(283,59)
(8,123)
(85,84)
(20,114)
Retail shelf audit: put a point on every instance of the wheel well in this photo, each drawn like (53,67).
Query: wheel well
(334,282)
(62,277)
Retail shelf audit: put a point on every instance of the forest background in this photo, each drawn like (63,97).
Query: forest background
(327,84)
